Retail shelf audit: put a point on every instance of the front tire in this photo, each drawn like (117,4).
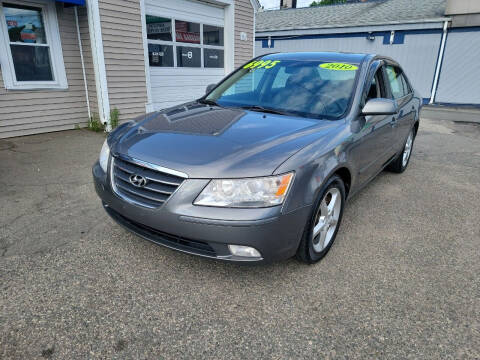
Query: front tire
(401,162)
(324,222)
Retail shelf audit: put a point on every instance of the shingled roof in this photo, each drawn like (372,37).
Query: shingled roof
(377,12)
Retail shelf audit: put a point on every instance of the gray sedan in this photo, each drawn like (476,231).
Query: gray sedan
(260,168)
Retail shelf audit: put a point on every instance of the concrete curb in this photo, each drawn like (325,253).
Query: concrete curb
(451,113)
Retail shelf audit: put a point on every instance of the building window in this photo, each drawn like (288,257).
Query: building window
(30,50)
(187,32)
(159,28)
(189,56)
(178,43)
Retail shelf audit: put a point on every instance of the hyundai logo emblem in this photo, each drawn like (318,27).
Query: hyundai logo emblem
(138,180)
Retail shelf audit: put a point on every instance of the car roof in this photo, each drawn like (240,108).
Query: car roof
(320,56)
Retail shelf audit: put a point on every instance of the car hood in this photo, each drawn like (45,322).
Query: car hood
(213,142)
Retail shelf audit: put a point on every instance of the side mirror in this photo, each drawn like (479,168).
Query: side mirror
(210,88)
(380,107)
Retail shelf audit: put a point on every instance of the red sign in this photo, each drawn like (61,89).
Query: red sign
(12,23)
(28,37)
(188,37)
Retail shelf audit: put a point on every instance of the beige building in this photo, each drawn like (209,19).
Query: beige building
(63,61)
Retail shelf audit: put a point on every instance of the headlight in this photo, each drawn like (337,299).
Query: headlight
(104,154)
(248,192)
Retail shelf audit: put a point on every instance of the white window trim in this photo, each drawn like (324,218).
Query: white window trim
(52,34)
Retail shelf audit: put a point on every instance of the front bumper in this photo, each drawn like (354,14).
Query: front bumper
(206,231)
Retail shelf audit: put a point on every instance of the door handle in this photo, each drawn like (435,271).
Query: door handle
(393,122)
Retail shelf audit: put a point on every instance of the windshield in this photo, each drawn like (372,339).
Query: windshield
(293,87)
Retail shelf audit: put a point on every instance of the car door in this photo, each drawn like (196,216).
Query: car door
(373,135)
(401,92)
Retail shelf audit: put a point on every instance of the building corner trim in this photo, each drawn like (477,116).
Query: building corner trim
(96,42)
(149,104)
(229,39)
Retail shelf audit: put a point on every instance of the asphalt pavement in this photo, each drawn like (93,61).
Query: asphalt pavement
(402,280)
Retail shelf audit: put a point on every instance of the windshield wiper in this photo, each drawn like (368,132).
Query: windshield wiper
(208,102)
(260,108)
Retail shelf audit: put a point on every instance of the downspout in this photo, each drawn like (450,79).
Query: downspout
(439,62)
(83,63)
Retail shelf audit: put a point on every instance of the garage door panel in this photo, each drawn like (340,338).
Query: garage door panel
(186,10)
(460,66)
(175,85)
(158,71)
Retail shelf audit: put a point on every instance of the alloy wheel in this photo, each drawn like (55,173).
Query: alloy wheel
(407,151)
(326,219)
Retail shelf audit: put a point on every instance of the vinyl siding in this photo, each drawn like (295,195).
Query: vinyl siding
(36,111)
(460,72)
(124,58)
(417,55)
(244,15)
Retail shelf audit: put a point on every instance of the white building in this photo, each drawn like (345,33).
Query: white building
(436,41)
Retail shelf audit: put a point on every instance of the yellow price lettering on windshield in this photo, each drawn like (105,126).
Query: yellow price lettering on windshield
(267,64)
(338,66)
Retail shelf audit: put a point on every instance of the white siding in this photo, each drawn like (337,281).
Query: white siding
(459,80)
(417,55)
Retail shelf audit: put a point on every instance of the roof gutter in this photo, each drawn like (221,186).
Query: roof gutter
(399,25)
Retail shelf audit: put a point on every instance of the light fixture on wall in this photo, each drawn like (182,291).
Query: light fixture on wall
(370,36)
(392,37)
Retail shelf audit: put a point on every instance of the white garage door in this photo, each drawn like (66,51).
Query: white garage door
(185,49)
(460,73)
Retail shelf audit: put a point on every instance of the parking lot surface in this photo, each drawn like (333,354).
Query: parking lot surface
(401,281)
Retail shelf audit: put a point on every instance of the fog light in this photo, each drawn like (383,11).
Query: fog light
(245,251)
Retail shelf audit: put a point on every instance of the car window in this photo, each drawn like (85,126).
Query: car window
(397,82)
(298,87)
(247,84)
(280,79)
(376,89)
(328,75)
(406,86)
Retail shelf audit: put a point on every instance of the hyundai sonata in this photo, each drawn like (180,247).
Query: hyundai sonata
(260,168)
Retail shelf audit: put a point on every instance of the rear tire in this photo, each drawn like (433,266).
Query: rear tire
(324,221)
(401,162)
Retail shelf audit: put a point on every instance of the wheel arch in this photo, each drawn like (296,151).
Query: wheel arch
(345,174)
(415,126)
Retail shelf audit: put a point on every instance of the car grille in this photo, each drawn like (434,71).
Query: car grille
(158,188)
